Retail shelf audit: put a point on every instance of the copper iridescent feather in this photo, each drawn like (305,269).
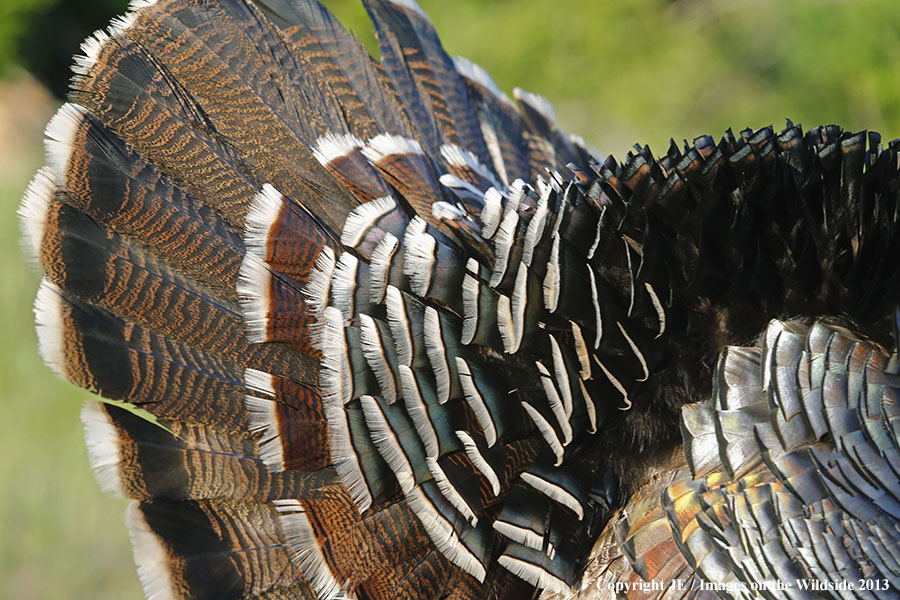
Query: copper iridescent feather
(404,337)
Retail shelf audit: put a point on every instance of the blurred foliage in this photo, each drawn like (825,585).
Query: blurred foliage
(617,72)
(42,35)
(647,70)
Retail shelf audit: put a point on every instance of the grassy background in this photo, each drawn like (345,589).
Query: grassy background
(618,73)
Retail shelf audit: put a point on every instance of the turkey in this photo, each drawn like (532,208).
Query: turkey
(371,329)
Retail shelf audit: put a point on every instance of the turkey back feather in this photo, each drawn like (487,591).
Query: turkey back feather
(401,337)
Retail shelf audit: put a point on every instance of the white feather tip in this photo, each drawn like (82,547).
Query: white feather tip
(150,557)
(48,307)
(102,440)
(537,102)
(33,209)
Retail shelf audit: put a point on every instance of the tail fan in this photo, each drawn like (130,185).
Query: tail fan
(400,336)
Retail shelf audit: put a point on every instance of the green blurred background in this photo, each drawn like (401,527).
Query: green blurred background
(617,72)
